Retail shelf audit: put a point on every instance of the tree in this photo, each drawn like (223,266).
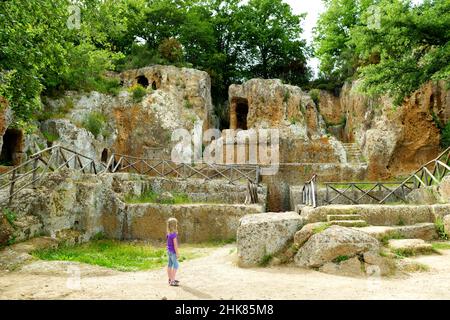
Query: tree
(406,47)
(412,46)
(270,36)
(332,38)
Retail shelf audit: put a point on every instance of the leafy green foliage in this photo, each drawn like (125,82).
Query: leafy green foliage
(341,259)
(408,46)
(395,235)
(440,229)
(10,215)
(171,50)
(110,254)
(95,123)
(445,136)
(138,92)
(150,196)
(187,104)
(441,246)
(50,137)
(315,96)
(40,53)
(265,260)
(321,228)
(271,44)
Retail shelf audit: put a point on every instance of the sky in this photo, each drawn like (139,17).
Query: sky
(312,8)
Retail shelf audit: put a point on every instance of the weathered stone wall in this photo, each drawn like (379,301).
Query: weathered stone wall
(379,215)
(76,206)
(196,222)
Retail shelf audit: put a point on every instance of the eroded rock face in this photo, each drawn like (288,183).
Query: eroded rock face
(389,136)
(265,234)
(332,243)
(74,138)
(260,103)
(176,98)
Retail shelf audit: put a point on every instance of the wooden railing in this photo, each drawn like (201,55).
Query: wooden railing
(168,168)
(358,192)
(309,194)
(429,174)
(29,173)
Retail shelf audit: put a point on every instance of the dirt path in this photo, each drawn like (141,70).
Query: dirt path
(216,276)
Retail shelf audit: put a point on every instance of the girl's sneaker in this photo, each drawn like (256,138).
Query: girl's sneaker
(174,283)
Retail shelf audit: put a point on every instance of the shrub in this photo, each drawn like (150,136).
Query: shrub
(95,123)
(138,92)
(445,136)
(10,216)
(265,260)
(287,96)
(187,104)
(50,137)
(341,259)
(171,50)
(315,96)
(440,229)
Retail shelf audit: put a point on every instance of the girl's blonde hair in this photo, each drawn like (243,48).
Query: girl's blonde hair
(172,225)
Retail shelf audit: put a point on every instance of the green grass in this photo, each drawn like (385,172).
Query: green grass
(321,228)
(441,245)
(10,215)
(152,197)
(402,253)
(138,92)
(50,137)
(188,104)
(95,123)
(265,260)
(122,256)
(287,96)
(341,259)
(385,239)
(439,223)
(417,267)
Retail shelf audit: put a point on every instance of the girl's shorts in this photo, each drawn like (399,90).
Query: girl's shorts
(173,262)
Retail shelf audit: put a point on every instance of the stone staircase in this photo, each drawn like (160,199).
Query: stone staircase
(354,154)
(346,220)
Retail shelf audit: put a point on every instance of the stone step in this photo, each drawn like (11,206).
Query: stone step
(340,217)
(408,247)
(349,223)
(425,231)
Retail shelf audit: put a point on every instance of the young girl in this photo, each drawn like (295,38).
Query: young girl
(172,250)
